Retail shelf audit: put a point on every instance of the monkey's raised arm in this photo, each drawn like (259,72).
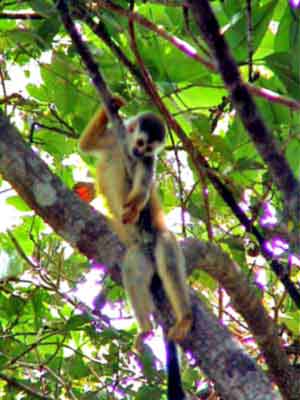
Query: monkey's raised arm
(96,136)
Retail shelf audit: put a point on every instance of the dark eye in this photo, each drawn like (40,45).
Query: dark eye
(149,149)
(140,142)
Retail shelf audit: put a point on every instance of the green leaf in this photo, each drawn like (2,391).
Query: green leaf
(41,6)
(11,306)
(22,233)
(292,321)
(201,124)
(283,65)
(18,203)
(107,335)
(248,164)
(202,97)
(287,37)
(232,7)
(93,396)
(147,359)
(149,392)
(196,210)
(76,368)
(57,80)
(57,145)
(236,34)
(3,360)
(40,93)
(38,307)
(282,38)
(190,375)
(16,36)
(78,321)
(292,154)
(45,32)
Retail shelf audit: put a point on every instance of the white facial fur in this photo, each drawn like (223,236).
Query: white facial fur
(138,145)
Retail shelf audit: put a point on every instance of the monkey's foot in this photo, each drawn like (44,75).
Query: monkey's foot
(139,341)
(179,331)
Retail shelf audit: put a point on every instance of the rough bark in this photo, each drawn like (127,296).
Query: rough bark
(234,373)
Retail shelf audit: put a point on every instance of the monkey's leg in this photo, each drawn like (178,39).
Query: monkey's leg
(137,273)
(171,270)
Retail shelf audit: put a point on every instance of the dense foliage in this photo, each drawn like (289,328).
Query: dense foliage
(56,341)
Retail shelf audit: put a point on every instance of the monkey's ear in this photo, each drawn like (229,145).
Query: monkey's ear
(85,190)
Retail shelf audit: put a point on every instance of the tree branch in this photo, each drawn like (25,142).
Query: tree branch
(92,68)
(29,15)
(191,52)
(197,158)
(74,220)
(215,262)
(86,230)
(262,138)
(149,86)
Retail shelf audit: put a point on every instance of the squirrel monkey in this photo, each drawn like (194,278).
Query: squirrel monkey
(136,214)
(125,178)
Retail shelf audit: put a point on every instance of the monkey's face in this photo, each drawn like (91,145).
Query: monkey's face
(146,135)
(142,147)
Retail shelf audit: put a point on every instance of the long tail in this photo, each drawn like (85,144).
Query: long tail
(175,391)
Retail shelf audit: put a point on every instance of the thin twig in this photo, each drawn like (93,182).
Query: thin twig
(28,15)
(27,389)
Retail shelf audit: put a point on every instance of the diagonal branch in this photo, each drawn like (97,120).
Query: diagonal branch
(199,161)
(86,230)
(211,259)
(92,68)
(273,352)
(242,100)
(145,80)
(20,15)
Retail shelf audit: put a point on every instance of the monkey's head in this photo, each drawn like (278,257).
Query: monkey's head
(146,135)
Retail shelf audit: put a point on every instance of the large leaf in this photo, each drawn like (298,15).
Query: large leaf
(287,37)
(293,154)
(236,34)
(233,7)
(287,45)
(283,65)
(58,78)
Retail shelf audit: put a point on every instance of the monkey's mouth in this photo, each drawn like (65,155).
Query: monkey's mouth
(137,153)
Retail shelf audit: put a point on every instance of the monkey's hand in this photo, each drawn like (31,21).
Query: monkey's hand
(118,101)
(131,213)
(132,208)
